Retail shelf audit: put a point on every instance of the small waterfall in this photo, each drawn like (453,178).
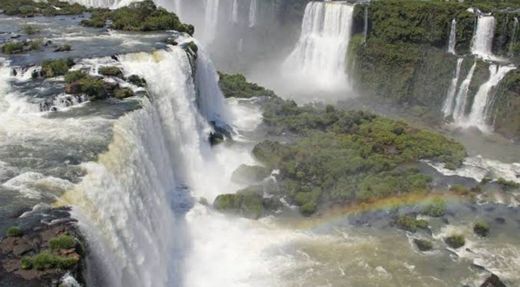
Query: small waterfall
(234,12)
(483,39)
(252,13)
(453,37)
(462,96)
(178,6)
(104,3)
(513,36)
(211,20)
(452,90)
(320,54)
(482,102)
(365,25)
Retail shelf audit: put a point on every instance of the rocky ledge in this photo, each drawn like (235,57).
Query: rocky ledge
(46,249)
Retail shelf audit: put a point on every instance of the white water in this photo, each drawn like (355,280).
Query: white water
(104,3)
(453,37)
(252,13)
(211,20)
(483,99)
(462,96)
(483,39)
(234,12)
(319,56)
(513,36)
(452,90)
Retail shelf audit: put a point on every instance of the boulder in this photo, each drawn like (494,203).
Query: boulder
(493,281)
(423,245)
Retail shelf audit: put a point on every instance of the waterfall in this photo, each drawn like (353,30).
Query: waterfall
(483,39)
(178,6)
(320,54)
(365,25)
(104,3)
(482,102)
(234,12)
(211,20)
(513,36)
(252,13)
(462,96)
(453,37)
(452,90)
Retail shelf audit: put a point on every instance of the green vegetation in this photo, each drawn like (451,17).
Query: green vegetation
(507,105)
(14,231)
(481,228)
(507,184)
(19,47)
(247,203)
(46,260)
(74,76)
(79,82)
(111,71)
(30,8)
(455,241)
(423,244)
(63,241)
(123,93)
(137,81)
(139,16)
(342,156)
(435,209)
(30,29)
(55,68)
(410,223)
(236,86)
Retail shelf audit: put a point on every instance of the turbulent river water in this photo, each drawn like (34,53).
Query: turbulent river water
(139,173)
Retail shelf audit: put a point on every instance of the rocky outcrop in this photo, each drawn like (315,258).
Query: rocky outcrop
(493,281)
(45,248)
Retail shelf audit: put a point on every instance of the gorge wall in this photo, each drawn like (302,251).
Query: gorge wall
(442,59)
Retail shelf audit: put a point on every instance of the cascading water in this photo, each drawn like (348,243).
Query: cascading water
(513,36)
(462,96)
(452,90)
(234,12)
(453,37)
(319,56)
(252,13)
(104,3)
(211,20)
(365,25)
(483,39)
(482,102)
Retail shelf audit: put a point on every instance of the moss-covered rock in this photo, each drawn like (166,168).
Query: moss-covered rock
(507,104)
(481,228)
(55,68)
(423,244)
(137,81)
(236,86)
(123,93)
(435,209)
(455,241)
(14,231)
(410,223)
(111,71)
(247,203)
(20,47)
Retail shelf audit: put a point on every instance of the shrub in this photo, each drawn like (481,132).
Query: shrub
(236,86)
(423,245)
(411,224)
(481,228)
(455,241)
(111,71)
(55,68)
(30,29)
(26,263)
(435,209)
(507,184)
(14,231)
(247,203)
(13,48)
(74,76)
(123,93)
(62,242)
(46,260)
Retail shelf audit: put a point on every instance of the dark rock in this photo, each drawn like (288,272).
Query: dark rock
(137,81)
(500,220)
(493,281)
(123,93)
(423,245)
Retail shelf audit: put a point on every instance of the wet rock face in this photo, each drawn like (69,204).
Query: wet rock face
(45,247)
(493,281)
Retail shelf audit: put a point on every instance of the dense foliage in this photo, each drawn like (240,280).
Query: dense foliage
(140,16)
(30,8)
(19,47)
(236,86)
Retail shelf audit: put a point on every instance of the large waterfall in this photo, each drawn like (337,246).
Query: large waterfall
(234,11)
(483,39)
(104,3)
(319,56)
